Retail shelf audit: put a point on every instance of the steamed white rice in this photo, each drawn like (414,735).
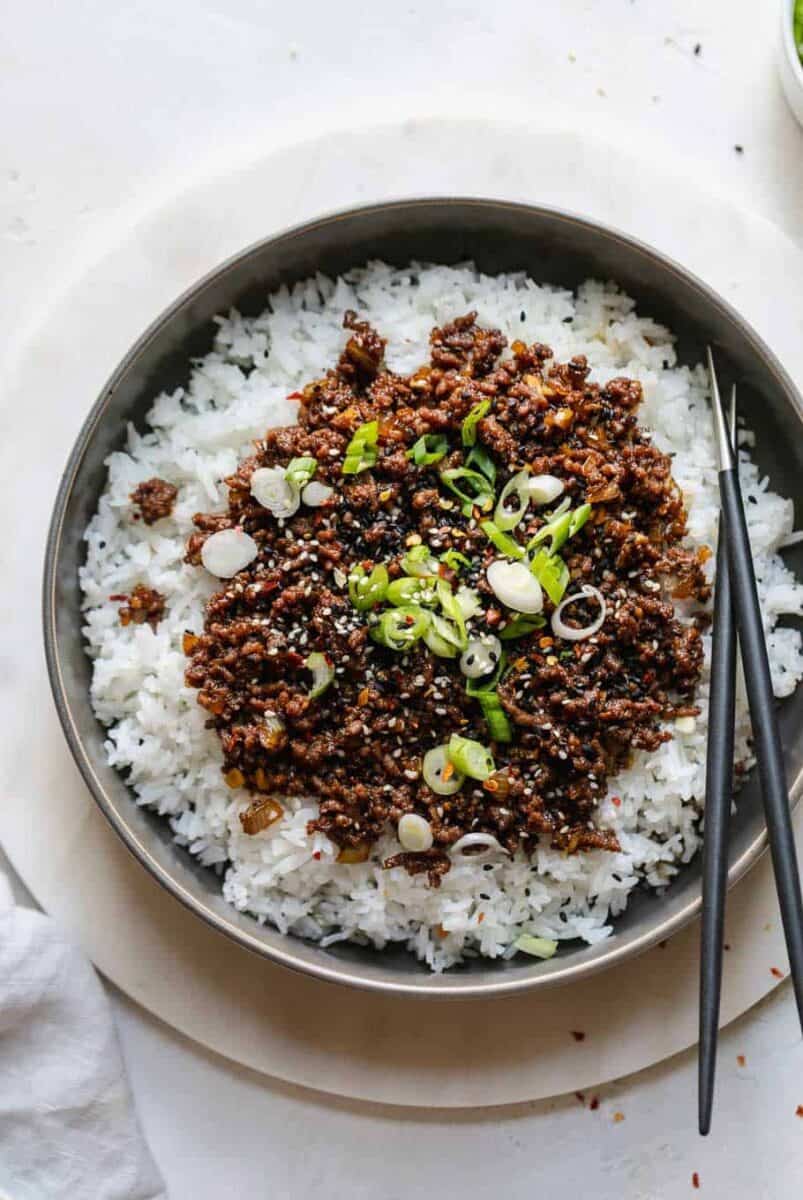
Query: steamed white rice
(156,733)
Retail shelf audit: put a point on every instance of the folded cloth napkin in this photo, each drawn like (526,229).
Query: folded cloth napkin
(67,1123)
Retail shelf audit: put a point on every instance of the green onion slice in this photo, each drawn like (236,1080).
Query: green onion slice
(454,559)
(552,573)
(470,758)
(362,451)
(561,526)
(507,516)
(452,609)
(367,590)
(496,718)
(429,449)
(537,946)
(400,628)
(507,545)
(472,489)
(442,637)
(435,765)
(299,471)
(479,457)
(468,429)
(520,625)
(322,673)
(468,601)
(410,591)
(418,561)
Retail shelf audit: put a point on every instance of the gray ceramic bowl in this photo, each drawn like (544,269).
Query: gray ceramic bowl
(550,246)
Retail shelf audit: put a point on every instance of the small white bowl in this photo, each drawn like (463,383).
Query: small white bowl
(789,64)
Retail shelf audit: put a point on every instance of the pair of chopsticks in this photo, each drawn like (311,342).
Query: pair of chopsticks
(736,606)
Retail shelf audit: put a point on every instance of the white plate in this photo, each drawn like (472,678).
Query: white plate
(363,1046)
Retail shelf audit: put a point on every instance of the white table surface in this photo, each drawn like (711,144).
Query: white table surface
(108,106)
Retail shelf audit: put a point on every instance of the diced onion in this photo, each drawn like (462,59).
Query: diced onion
(570,634)
(274,492)
(315,494)
(468,601)
(512,583)
(507,515)
(537,946)
(415,833)
(435,766)
(480,656)
(468,841)
(228,551)
(544,489)
(685,724)
(322,673)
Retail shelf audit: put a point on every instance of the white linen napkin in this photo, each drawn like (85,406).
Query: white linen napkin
(68,1130)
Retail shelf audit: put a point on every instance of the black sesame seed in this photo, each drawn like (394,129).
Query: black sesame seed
(523,315)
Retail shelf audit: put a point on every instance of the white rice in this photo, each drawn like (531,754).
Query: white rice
(156,731)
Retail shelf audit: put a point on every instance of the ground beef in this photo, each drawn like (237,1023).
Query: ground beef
(153,499)
(576,710)
(144,604)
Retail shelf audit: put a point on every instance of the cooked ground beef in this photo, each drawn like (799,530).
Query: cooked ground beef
(577,709)
(144,604)
(154,499)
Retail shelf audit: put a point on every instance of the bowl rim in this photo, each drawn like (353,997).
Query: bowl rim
(788,42)
(446,985)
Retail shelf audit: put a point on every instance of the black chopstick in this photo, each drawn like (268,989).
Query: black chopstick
(718,799)
(766,735)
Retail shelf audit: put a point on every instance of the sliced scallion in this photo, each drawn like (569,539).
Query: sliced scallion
(442,637)
(470,758)
(468,430)
(366,590)
(400,628)
(429,449)
(479,457)
(552,573)
(506,514)
(299,471)
(322,673)
(537,946)
(503,542)
(454,560)
(362,451)
(439,773)
(496,718)
(520,626)
(470,487)
(419,562)
(410,591)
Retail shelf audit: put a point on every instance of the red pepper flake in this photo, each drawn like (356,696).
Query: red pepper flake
(441,932)
(296,396)
(618,1116)
(741,1060)
(594,1103)
(480,918)
(617,800)
(799,1110)
(777,972)
(578,1035)
(695,1179)
(581,1096)
(316,854)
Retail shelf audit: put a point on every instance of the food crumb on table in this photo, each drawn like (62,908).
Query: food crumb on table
(739,149)
(695,1179)
(741,1060)
(594,1103)
(618,1117)
(578,1035)
(777,972)
(799,1110)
